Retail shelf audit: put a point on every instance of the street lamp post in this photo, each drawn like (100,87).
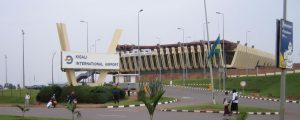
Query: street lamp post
(87,34)
(139,53)
(247,67)
(52,67)
(159,59)
(23,34)
(283,75)
(5,56)
(210,64)
(184,68)
(91,47)
(96,44)
(224,56)
(203,51)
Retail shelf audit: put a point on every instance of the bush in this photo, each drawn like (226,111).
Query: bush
(122,93)
(46,93)
(242,116)
(141,95)
(101,94)
(83,94)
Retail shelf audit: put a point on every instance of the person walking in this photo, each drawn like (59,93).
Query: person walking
(116,95)
(226,102)
(54,101)
(27,99)
(128,90)
(235,101)
(71,98)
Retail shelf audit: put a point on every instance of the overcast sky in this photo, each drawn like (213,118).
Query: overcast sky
(159,19)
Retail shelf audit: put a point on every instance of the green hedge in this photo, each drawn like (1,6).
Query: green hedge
(46,93)
(84,94)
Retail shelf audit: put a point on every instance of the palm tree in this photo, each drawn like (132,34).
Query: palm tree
(23,109)
(154,91)
(72,109)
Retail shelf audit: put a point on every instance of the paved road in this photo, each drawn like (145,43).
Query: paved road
(186,97)
(138,113)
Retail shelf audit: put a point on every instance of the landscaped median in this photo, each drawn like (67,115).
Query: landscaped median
(128,103)
(218,108)
(8,117)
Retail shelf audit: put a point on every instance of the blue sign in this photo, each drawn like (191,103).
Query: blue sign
(286,44)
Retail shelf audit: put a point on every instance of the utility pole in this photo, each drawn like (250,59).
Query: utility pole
(5,56)
(23,34)
(184,67)
(139,52)
(52,68)
(283,75)
(209,62)
(223,49)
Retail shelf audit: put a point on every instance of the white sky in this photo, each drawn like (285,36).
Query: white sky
(160,18)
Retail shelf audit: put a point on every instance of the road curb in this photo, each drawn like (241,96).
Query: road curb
(220,112)
(123,106)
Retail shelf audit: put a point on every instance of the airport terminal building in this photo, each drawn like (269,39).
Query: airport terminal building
(172,59)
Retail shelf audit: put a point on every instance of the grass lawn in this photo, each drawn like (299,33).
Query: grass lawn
(221,108)
(136,102)
(263,85)
(7,117)
(16,96)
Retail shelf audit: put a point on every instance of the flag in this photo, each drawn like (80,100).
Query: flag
(215,48)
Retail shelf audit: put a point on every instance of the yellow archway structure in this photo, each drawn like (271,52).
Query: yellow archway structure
(64,43)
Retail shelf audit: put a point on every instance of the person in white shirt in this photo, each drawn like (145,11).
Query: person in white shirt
(235,101)
(49,104)
(27,99)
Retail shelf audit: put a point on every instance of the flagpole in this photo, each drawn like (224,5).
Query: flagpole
(209,62)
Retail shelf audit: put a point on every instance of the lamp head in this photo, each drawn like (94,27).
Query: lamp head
(219,13)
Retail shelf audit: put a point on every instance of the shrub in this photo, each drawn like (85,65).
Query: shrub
(141,94)
(122,93)
(83,94)
(242,116)
(47,92)
(101,94)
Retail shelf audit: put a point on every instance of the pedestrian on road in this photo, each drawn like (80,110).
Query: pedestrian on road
(53,101)
(226,102)
(27,99)
(116,95)
(235,101)
(128,89)
(71,97)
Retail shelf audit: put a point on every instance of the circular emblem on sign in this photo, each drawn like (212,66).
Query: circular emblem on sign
(243,83)
(69,59)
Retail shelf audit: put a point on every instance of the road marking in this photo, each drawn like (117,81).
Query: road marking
(185,97)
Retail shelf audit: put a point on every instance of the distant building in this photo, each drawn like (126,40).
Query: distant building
(172,58)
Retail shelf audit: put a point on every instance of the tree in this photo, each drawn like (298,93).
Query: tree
(72,109)
(23,109)
(153,92)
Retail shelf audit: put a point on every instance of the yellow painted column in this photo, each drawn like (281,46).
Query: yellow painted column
(64,44)
(111,49)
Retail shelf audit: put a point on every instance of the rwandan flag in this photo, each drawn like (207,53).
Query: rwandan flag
(215,48)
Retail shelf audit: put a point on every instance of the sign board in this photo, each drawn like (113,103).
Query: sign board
(284,44)
(243,83)
(95,61)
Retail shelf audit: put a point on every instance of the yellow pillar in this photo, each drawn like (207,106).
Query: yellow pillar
(64,44)
(111,49)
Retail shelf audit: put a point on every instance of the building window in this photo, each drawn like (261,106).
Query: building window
(127,79)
